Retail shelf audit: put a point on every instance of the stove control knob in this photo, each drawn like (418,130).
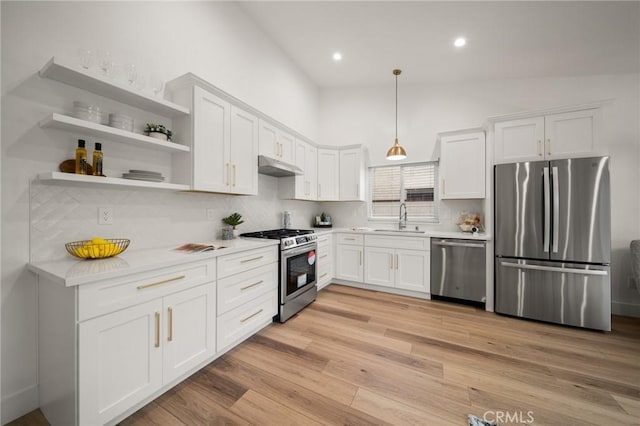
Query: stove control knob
(287,243)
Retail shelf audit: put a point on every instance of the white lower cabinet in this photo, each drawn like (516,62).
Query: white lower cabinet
(325,260)
(397,262)
(245,320)
(127,355)
(350,257)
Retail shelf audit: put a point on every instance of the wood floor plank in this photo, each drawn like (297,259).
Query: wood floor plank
(152,414)
(260,410)
(360,357)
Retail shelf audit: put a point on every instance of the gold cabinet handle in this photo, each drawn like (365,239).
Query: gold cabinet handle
(360,253)
(349,239)
(227,166)
(157,345)
(234,175)
(390,261)
(251,260)
(324,275)
(319,191)
(251,285)
(170,317)
(323,256)
(397,262)
(539,148)
(143,286)
(549,146)
(251,316)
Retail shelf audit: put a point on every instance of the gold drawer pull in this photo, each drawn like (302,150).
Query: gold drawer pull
(324,275)
(251,316)
(251,285)
(323,256)
(170,315)
(157,345)
(143,286)
(350,239)
(252,259)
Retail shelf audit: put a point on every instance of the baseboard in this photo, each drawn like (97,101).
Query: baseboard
(382,289)
(19,403)
(625,309)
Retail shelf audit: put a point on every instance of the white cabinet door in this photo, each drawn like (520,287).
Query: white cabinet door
(412,269)
(325,260)
(190,329)
(286,147)
(243,152)
(301,191)
(268,139)
(462,166)
(572,134)
(120,361)
(311,172)
(351,175)
(211,120)
(328,174)
(378,266)
(519,140)
(349,262)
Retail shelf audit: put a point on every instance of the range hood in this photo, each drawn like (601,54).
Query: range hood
(272,167)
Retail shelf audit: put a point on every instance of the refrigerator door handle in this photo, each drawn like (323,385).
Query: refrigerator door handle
(547,209)
(556,209)
(554,269)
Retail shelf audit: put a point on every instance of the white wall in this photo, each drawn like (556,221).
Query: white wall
(366,115)
(214,40)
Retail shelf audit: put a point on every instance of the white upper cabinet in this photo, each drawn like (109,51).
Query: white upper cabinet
(352,175)
(328,174)
(224,144)
(546,137)
(276,143)
(306,185)
(462,165)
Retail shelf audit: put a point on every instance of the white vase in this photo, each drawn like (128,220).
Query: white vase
(236,233)
(158,135)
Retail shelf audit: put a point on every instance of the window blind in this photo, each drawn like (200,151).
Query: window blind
(412,184)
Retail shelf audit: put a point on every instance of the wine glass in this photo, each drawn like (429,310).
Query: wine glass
(131,73)
(87,58)
(156,84)
(140,83)
(104,61)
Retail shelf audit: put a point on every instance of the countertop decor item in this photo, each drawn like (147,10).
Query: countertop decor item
(69,166)
(469,221)
(396,152)
(233,220)
(158,131)
(97,248)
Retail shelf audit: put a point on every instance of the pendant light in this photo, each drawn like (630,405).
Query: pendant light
(396,152)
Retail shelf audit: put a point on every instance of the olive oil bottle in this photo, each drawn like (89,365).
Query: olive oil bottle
(97,159)
(81,158)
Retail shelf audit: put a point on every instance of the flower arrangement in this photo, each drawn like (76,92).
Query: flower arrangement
(158,128)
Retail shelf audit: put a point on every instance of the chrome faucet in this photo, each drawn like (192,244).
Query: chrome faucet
(402,220)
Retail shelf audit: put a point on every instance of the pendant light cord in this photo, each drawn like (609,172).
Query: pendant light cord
(396,107)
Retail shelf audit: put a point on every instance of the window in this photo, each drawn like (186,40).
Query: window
(412,184)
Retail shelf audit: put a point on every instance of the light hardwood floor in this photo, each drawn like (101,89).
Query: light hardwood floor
(361,358)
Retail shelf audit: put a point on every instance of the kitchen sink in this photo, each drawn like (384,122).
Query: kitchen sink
(400,231)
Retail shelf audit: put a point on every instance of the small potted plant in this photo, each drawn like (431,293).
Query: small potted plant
(158,131)
(234,220)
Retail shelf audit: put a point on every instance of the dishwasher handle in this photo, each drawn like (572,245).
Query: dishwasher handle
(456,244)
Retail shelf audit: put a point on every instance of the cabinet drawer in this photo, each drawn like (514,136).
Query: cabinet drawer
(325,271)
(324,240)
(410,243)
(111,295)
(351,239)
(237,289)
(240,262)
(237,324)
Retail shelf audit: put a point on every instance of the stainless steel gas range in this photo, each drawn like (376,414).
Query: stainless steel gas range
(297,286)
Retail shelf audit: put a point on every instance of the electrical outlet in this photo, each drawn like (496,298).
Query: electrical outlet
(105,216)
(211,214)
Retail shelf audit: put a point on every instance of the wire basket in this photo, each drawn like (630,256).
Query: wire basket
(87,249)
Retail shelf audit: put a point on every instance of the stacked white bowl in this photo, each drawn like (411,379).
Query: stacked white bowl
(121,121)
(87,112)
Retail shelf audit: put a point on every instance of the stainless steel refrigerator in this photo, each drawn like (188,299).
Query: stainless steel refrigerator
(553,241)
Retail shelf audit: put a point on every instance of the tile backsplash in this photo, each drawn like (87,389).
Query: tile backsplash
(150,218)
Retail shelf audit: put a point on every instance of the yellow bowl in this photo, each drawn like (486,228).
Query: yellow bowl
(88,250)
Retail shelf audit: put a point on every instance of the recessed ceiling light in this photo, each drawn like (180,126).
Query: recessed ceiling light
(337,56)
(460,41)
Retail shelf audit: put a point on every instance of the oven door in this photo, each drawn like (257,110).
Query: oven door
(298,272)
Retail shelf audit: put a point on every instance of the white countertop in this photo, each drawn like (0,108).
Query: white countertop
(72,271)
(422,233)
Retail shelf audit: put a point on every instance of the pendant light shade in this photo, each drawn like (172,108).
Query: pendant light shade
(396,152)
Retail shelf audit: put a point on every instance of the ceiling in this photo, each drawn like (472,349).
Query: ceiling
(505,39)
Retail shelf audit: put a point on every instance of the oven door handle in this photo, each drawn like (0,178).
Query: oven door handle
(286,253)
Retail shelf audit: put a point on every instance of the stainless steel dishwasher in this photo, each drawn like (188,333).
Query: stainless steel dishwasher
(458,269)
